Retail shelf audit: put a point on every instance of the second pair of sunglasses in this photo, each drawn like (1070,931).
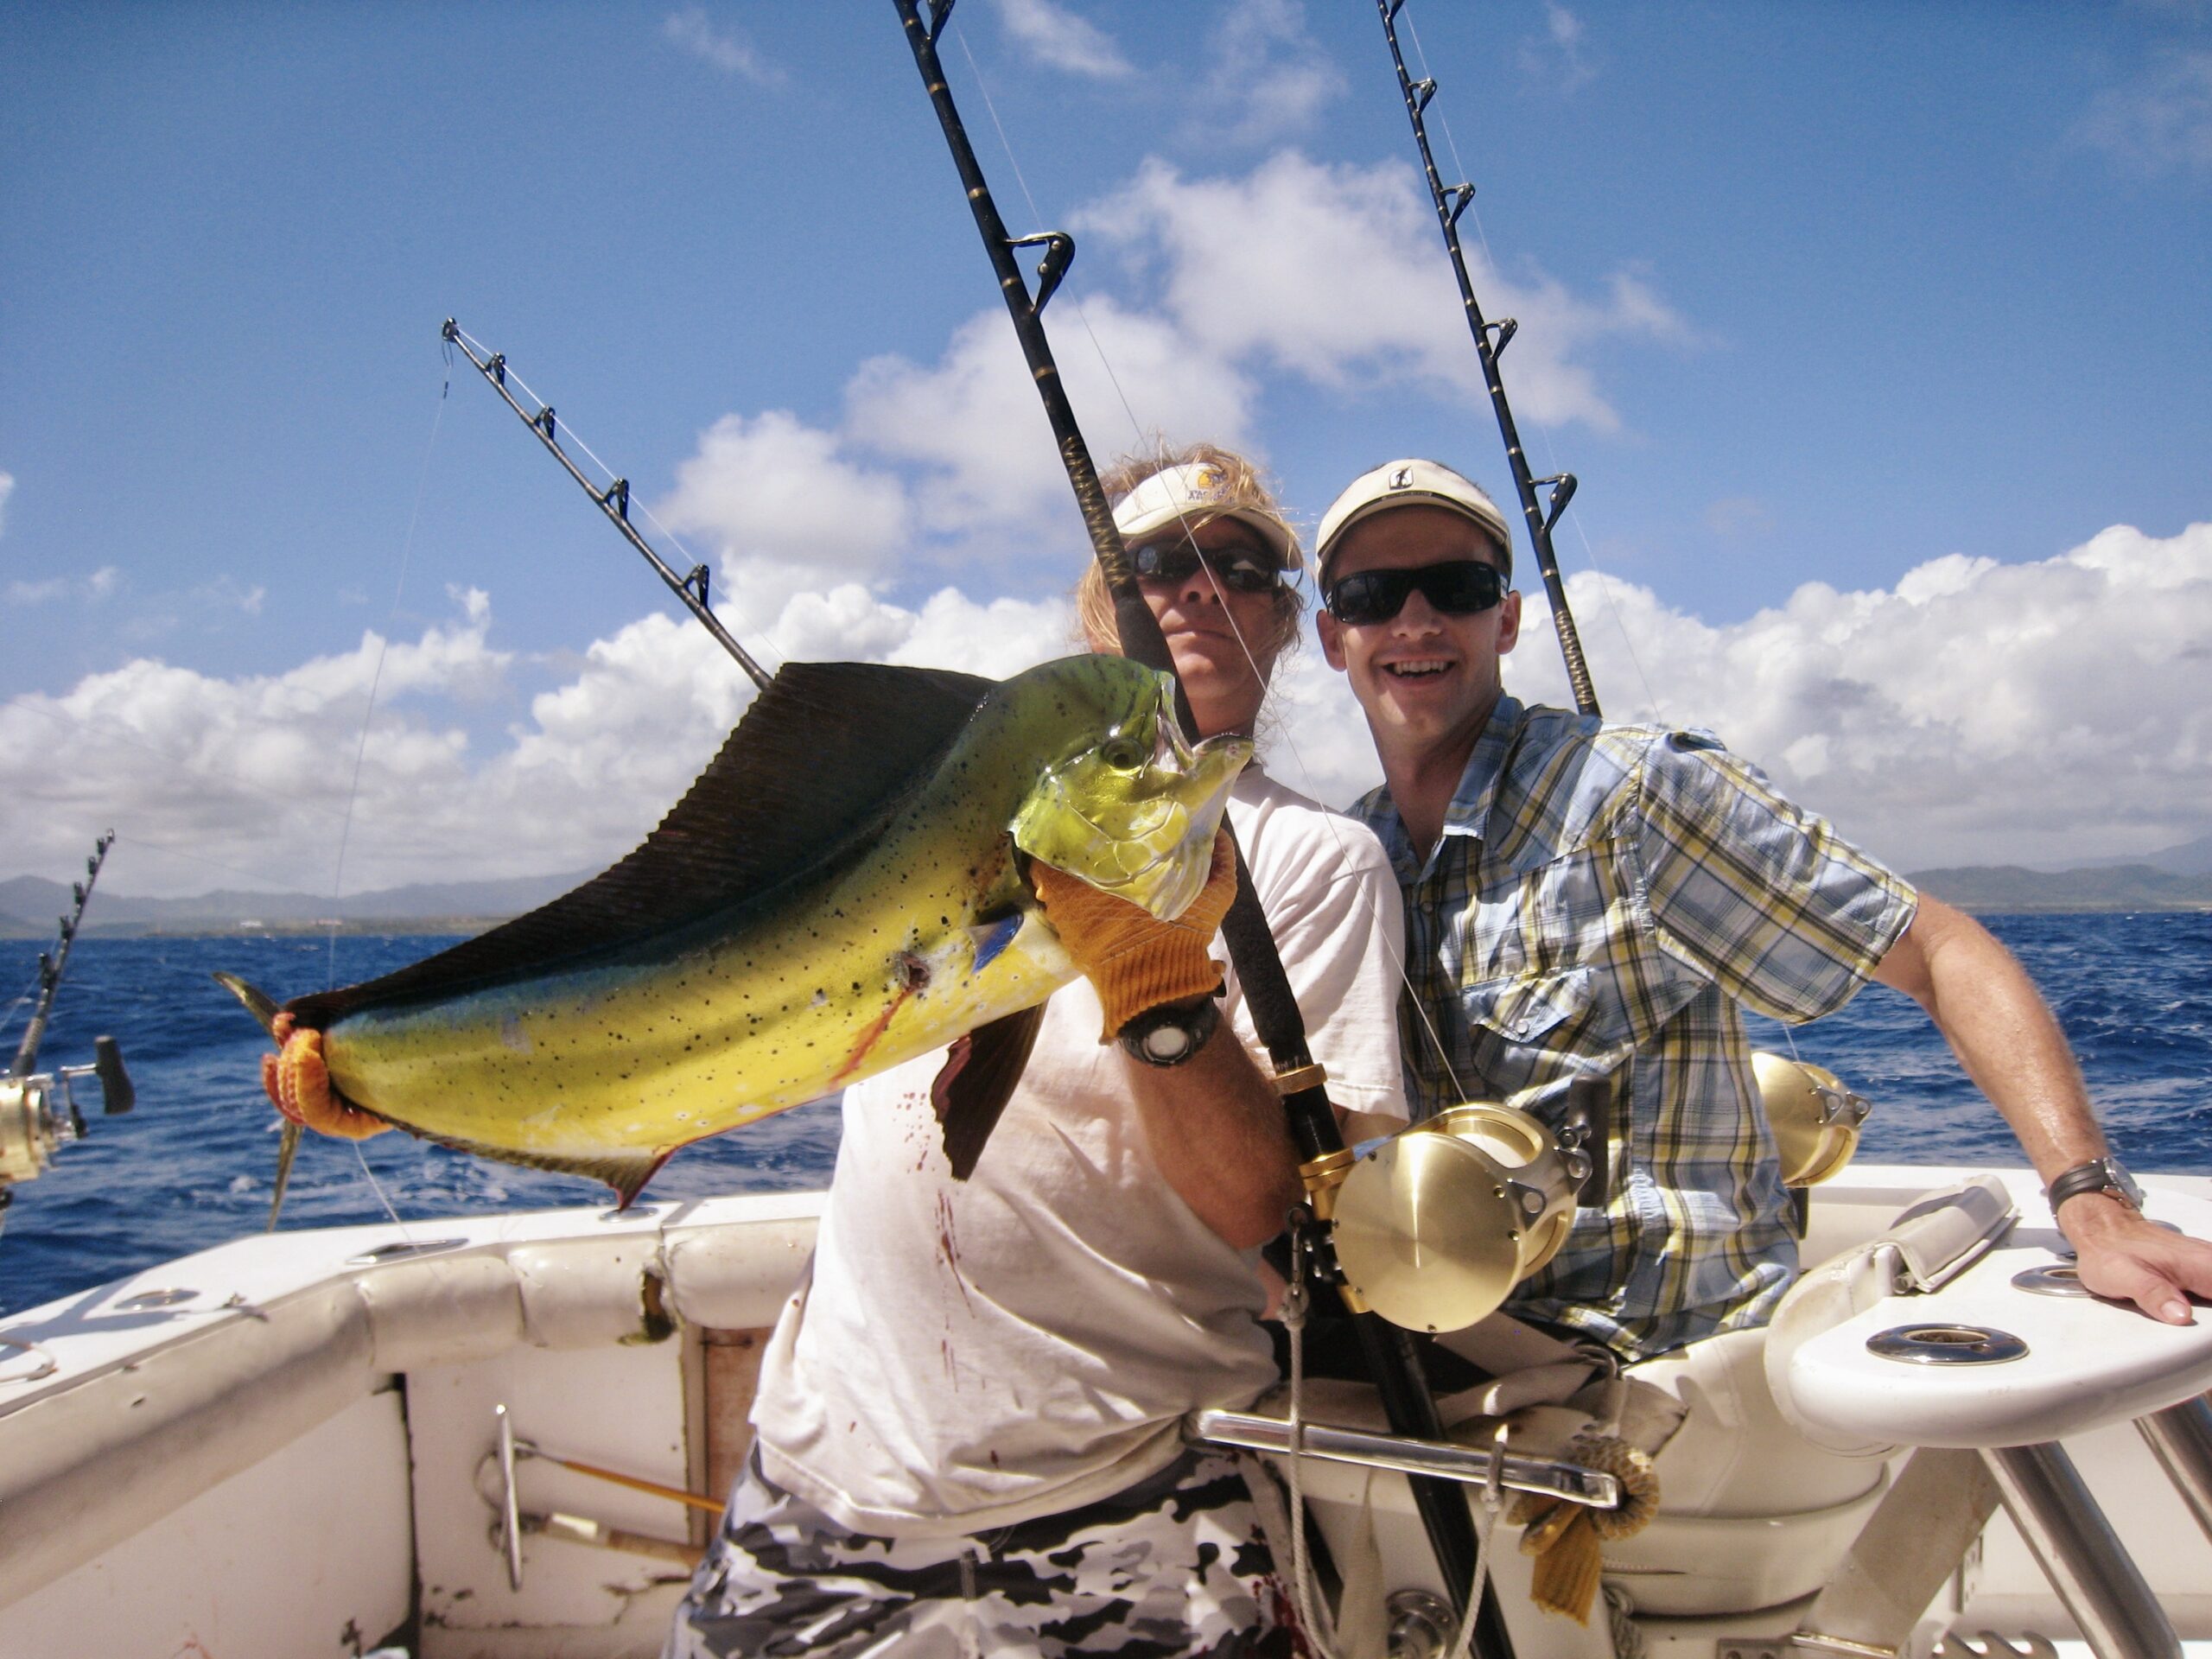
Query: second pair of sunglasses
(1234,568)
(1457,587)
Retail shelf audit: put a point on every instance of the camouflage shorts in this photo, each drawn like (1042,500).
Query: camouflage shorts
(1174,1565)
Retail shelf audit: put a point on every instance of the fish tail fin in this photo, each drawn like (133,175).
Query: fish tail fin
(259,1005)
(257,1002)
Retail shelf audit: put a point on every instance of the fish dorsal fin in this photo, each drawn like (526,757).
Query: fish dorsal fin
(817,761)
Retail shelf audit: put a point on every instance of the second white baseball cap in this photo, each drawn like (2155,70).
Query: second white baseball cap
(1410,483)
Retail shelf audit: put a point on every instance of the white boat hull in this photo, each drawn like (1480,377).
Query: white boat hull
(293,1458)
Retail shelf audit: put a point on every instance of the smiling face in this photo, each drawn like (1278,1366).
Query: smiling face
(1224,641)
(1427,680)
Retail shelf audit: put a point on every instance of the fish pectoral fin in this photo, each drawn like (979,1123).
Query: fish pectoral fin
(978,1077)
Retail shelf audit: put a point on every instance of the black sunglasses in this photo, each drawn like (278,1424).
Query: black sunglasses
(1458,587)
(1239,569)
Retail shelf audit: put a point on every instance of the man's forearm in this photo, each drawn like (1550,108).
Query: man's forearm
(1996,1022)
(1218,1133)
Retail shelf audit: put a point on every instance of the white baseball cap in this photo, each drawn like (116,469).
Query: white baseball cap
(1180,498)
(1411,483)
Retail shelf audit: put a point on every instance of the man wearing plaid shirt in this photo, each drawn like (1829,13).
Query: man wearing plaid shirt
(1590,902)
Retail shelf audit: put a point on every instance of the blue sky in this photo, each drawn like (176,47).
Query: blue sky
(1904,303)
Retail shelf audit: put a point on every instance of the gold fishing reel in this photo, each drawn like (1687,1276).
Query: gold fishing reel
(1815,1115)
(1435,1229)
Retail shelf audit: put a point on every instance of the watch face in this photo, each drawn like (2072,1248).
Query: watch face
(2119,1180)
(1166,1044)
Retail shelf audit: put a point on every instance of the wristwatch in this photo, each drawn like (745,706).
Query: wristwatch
(1171,1034)
(2106,1175)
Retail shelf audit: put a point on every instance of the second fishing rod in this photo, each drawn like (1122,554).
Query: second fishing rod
(1388,1350)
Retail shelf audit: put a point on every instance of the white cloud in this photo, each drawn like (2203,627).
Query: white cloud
(1737,515)
(1331,272)
(2161,122)
(253,774)
(103,583)
(787,510)
(1557,57)
(1978,712)
(1326,273)
(972,418)
(1268,80)
(1052,34)
(250,779)
(727,50)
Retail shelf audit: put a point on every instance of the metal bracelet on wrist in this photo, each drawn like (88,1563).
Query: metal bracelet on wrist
(1171,1034)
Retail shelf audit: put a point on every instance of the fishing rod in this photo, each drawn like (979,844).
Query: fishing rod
(1388,1349)
(1490,341)
(51,967)
(614,502)
(31,1133)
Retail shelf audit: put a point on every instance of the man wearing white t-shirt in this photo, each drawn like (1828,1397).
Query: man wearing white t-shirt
(967,1427)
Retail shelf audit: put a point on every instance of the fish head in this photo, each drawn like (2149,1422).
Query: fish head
(1134,805)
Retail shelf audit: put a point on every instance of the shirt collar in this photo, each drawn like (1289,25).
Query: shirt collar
(1468,813)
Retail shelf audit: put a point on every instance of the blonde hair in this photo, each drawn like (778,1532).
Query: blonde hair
(1246,488)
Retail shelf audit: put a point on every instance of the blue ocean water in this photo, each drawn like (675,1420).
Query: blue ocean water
(191,1167)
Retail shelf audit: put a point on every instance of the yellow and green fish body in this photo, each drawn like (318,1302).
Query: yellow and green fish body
(837,949)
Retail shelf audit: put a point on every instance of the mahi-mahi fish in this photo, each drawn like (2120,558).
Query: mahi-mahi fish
(841,889)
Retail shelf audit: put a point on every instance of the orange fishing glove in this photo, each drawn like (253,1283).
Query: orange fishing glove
(1133,959)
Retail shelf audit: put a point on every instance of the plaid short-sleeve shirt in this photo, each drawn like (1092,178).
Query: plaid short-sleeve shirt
(1600,900)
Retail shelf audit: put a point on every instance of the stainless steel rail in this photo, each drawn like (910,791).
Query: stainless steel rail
(1442,1459)
(2180,1437)
(2079,1553)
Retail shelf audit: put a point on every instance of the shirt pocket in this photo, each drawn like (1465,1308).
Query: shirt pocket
(1527,1008)
(1538,1031)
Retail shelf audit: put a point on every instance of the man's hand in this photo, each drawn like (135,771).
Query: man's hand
(2127,1259)
(1133,959)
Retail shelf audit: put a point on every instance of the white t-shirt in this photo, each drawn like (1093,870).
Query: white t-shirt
(970,1354)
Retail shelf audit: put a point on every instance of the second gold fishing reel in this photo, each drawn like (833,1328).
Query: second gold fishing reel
(1434,1228)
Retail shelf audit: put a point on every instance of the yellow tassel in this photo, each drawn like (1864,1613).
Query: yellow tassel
(1568,1567)
(1564,1537)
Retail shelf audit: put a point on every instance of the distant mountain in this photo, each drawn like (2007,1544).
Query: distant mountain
(2189,858)
(441,903)
(2000,889)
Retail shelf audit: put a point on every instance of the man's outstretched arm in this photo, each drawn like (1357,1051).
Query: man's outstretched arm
(1990,1012)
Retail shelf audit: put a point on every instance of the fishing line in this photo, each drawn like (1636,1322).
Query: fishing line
(1037,219)
(569,436)
(368,716)
(1329,817)
(1551,453)
(377,1187)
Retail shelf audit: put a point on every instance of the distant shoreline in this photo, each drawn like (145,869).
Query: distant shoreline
(461,909)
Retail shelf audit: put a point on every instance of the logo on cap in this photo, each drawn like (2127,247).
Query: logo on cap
(1400,478)
(1205,483)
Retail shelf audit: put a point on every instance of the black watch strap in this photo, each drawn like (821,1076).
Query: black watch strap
(2106,1175)
(1169,1034)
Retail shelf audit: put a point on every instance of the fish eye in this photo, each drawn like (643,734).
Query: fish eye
(1123,753)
